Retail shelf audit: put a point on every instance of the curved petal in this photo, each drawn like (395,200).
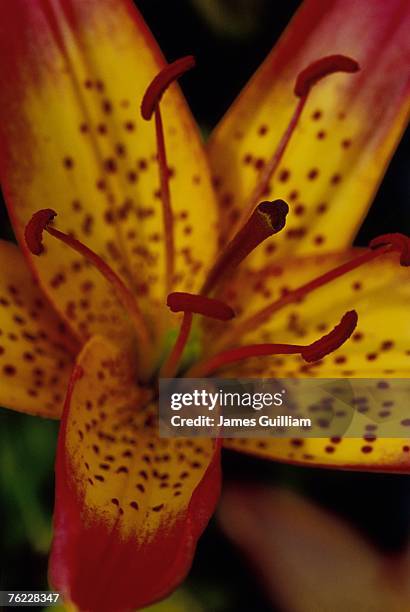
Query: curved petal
(379,291)
(379,348)
(309,559)
(35,348)
(129,505)
(72,77)
(347,133)
(378,455)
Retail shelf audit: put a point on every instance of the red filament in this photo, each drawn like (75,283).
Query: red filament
(311,352)
(150,105)
(306,79)
(379,246)
(39,222)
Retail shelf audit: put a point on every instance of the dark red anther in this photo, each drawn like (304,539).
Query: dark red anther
(322,68)
(333,340)
(398,242)
(189,302)
(161,82)
(267,219)
(33,232)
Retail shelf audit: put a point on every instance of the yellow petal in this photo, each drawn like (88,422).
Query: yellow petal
(35,348)
(347,133)
(73,77)
(130,506)
(385,454)
(379,348)
(379,291)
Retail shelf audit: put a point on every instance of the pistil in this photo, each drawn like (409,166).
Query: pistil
(267,219)
(310,352)
(33,233)
(151,106)
(304,83)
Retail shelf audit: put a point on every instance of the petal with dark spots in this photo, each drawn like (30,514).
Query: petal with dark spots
(347,132)
(130,506)
(36,351)
(72,77)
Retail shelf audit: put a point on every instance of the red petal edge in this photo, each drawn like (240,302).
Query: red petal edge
(100,572)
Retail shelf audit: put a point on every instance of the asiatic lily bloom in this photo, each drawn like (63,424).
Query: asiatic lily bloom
(152,254)
(308,558)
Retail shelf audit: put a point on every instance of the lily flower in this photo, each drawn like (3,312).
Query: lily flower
(134,259)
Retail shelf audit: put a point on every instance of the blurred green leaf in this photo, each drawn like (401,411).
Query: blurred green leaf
(27,449)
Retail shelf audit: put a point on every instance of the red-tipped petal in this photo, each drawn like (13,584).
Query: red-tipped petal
(72,73)
(346,134)
(126,525)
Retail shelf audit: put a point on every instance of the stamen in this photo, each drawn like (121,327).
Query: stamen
(161,82)
(33,234)
(304,82)
(267,219)
(311,352)
(379,246)
(398,242)
(150,105)
(190,304)
(333,340)
(321,68)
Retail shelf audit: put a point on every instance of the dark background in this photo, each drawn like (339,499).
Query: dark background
(228,44)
